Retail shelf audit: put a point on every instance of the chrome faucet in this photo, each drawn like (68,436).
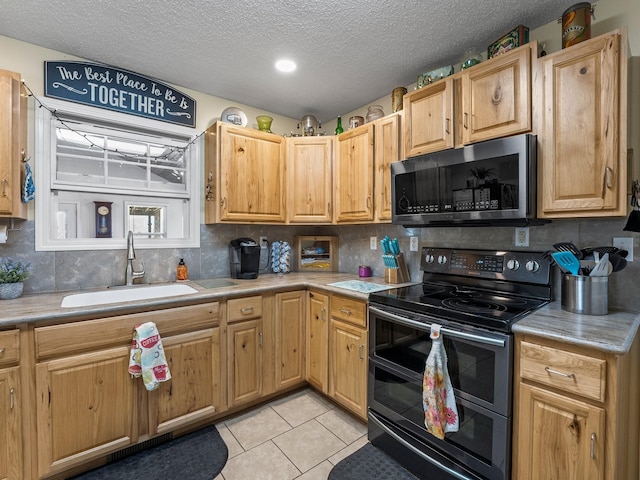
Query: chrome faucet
(131,274)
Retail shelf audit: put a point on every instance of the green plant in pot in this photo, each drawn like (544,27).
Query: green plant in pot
(12,276)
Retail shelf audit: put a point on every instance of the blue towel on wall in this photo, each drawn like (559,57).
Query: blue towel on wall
(28,188)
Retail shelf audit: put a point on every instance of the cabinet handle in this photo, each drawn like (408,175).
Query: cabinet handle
(608,175)
(345,311)
(446,125)
(323,314)
(11,396)
(260,339)
(360,352)
(593,445)
(246,310)
(4,184)
(464,122)
(555,372)
(223,201)
(2,350)
(369,202)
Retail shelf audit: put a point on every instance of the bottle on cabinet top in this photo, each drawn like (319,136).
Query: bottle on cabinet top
(339,128)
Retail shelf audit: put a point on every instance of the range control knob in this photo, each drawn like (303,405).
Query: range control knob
(429,258)
(442,259)
(513,264)
(532,266)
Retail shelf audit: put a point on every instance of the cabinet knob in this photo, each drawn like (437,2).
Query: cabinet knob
(2,349)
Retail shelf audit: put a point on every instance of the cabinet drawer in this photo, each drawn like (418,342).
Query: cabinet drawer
(244,308)
(89,335)
(349,309)
(568,371)
(9,347)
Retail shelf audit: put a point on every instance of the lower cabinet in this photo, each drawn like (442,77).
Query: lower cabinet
(87,403)
(290,339)
(576,412)
(317,341)
(348,354)
(10,407)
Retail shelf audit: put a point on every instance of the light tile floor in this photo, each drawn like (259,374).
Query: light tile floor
(299,436)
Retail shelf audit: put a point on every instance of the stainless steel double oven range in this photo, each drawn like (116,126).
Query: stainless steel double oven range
(476,296)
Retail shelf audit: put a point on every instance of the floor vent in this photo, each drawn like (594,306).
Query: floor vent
(132,450)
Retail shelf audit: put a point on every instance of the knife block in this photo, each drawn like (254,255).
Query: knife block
(400,274)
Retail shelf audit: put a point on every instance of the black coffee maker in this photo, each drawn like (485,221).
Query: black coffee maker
(244,258)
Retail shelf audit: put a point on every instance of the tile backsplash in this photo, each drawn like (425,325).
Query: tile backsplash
(76,270)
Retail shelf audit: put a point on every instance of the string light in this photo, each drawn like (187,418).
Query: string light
(166,156)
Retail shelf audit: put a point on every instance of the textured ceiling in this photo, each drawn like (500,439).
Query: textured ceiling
(349,52)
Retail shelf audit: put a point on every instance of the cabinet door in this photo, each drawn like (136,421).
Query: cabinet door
(194,391)
(559,437)
(10,426)
(318,341)
(92,396)
(290,315)
(348,384)
(13,141)
(252,173)
(245,361)
(583,135)
(387,151)
(428,119)
(354,176)
(309,179)
(496,97)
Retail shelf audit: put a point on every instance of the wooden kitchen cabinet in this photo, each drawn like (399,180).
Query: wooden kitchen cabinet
(496,96)
(245,340)
(88,405)
(429,118)
(348,354)
(388,149)
(576,411)
(317,341)
(244,175)
(354,175)
(309,167)
(290,339)
(582,159)
(11,463)
(13,144)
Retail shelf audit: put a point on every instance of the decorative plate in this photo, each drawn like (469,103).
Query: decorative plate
(234,115)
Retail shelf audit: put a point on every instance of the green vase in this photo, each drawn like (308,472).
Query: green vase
(9,291)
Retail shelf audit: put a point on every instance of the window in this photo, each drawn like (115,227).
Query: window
(144,170)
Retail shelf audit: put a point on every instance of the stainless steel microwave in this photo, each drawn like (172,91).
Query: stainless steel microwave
(484,184)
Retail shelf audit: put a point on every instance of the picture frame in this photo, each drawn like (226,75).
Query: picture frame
(512,39)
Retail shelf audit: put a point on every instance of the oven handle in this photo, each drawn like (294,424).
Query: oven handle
(417,451)
(451,333)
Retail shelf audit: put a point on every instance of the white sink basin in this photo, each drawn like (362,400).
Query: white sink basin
(125,294)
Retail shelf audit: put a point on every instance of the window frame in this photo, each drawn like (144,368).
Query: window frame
(45,151)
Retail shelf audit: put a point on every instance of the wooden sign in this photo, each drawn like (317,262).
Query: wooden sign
(114,89)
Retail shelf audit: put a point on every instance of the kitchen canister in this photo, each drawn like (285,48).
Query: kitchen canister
(576,24)
(356,121)
(396,98)
(584,294)
(364,271)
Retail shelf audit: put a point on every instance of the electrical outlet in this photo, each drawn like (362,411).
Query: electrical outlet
(625,243)
(413,244)
(522,237)
(263,242)
(373,243)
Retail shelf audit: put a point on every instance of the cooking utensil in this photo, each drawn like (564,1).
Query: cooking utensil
(617,262)
(567,261)
(602,267)
(568,247)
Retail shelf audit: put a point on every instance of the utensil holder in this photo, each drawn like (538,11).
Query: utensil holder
(585,295)
(400,274)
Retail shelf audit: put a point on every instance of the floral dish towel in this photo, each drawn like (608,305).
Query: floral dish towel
(438,400)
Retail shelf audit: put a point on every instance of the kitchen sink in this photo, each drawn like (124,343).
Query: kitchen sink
(125,294)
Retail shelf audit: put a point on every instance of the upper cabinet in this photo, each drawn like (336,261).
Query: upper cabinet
(13,144)
(244,175)
(583,129)
(428,125)
(388,149)
(496,96)
(309,169)
(354,175)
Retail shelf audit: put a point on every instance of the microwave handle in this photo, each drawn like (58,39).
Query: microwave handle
(445,331)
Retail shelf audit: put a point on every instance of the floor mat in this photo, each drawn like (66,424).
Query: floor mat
(199,455)
(369,463)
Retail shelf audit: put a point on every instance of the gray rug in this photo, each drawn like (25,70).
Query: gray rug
(199,455)
(369,463)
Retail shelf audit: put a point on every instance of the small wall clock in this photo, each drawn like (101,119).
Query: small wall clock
(103,219)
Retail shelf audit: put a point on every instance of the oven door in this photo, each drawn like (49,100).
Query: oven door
(479,364)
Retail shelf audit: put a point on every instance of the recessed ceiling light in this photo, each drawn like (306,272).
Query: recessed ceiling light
(286,65)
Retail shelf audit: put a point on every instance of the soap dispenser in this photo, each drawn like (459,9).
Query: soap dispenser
(181,271)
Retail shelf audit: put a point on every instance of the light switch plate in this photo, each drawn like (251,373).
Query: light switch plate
(373,243)
(624,243)
(413,244)
(522,237)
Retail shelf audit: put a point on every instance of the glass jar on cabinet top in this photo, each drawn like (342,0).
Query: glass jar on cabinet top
(374,112)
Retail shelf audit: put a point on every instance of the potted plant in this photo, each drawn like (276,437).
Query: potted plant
(12,275)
